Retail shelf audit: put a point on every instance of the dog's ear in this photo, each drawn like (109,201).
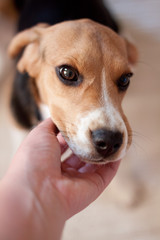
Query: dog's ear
(28,40)
(132,52)
(23,101)
(24,96)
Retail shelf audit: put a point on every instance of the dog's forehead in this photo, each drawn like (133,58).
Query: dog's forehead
(82,39)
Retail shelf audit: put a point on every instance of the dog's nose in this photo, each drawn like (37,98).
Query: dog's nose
(106,142)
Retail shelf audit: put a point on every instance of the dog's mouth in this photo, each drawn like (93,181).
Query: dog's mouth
(98,146)
(98,161)
(101,161)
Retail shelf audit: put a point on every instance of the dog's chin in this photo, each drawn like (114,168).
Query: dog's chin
(99,161)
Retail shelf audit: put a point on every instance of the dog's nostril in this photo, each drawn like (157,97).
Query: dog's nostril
(117,146)
(101,145)
(106,142)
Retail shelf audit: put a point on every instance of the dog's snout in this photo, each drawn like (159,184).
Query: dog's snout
(106,142)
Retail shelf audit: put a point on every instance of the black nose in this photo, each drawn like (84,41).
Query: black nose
(106,142)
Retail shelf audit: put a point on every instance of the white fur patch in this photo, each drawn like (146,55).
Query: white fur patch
(112,114)
(44,111)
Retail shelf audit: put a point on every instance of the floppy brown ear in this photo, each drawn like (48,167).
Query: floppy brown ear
(24,38)
(28,39)
(132,53)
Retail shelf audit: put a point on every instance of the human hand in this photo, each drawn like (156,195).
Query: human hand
(54,191)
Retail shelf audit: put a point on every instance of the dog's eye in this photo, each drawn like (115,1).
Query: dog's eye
(124,81)
(68,75)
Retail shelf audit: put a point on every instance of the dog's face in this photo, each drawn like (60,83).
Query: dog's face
(82,71)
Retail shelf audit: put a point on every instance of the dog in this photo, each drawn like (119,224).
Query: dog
(81,70)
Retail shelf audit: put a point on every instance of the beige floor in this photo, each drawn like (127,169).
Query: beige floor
(129,209)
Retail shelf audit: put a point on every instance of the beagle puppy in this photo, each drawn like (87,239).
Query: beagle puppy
(80,70)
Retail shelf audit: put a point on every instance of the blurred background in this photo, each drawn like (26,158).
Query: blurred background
(129,208)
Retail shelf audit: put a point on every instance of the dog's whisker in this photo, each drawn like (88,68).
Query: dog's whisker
(139,135)
(138,146)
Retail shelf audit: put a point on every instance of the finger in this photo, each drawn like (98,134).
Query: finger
(41,148)
(97,177)
(73,162)
(48,125)
(51,128)
(88,168)
(108,171)
(88,185)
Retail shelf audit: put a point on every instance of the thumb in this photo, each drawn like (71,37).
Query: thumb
(40,150)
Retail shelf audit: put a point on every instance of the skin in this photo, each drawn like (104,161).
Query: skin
(39,193)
